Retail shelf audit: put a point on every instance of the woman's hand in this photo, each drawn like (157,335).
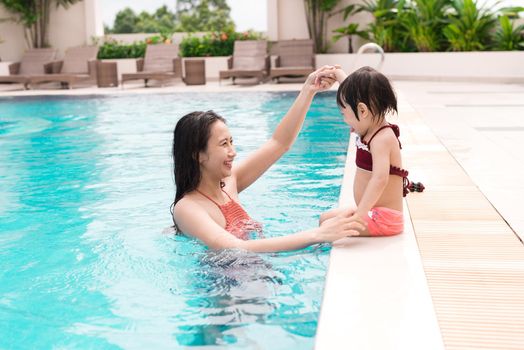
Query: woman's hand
(337,73)
(340,226)
(322,79)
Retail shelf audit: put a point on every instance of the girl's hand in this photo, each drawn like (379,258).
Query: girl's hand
(321,80)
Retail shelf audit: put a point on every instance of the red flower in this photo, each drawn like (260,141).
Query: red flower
(223,36)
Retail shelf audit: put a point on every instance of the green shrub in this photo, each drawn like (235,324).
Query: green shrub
(386,29)
(114,49)
(214,44)
(509,37)
(436,25)
(423,21)
(470,27)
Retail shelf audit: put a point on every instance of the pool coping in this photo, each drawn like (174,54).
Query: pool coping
(376,286)
(133,88)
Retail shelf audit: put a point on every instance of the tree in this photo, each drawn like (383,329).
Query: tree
(125,21)
(316,16)
(161,21)
(351,29)
(204,16)
(34,15)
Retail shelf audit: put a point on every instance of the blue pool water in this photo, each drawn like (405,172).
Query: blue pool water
(85,189)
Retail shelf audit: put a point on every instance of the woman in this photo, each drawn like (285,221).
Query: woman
(207,182)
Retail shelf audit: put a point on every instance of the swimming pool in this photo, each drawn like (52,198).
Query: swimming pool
(85,189)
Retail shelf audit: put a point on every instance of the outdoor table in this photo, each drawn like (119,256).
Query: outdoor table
(106,74)
(195,71)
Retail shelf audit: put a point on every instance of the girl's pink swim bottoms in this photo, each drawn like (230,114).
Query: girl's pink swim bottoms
(384,221)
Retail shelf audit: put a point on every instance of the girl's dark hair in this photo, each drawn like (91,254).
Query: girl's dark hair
(370,87)
(190,137)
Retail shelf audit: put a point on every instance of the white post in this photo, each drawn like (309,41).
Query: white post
(93,20)
(272,19)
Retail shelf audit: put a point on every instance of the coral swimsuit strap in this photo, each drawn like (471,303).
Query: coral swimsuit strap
(211,199)
(232,211)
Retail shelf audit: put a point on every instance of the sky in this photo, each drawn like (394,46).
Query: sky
(502,3)
(247,14)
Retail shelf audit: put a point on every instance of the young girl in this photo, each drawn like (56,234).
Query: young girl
(208,180)
(365,98)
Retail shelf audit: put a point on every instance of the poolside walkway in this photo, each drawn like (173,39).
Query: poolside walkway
(469,225)
(472,259)
(455,278)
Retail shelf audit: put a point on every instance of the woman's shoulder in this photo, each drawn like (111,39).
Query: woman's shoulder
(188,201)
(185,209)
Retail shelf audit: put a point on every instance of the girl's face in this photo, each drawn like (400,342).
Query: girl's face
(364,121)
(217,160)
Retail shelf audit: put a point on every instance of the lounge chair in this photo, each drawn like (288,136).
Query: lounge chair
(249,60)
(161,63)
(295,59)
(78,65)
(32,63)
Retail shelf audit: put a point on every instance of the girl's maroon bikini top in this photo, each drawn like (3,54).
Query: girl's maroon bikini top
(364,160)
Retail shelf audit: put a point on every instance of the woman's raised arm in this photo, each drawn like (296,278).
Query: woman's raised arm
(286,132)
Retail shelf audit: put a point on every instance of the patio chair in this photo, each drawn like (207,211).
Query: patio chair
(78,65)
(161,62)
(249,60)
(295,59)
(33,62)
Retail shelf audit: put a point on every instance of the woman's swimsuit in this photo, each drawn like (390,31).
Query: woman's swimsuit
(238,221)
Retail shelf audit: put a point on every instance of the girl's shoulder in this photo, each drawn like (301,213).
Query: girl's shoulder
(386,133)
(386,138)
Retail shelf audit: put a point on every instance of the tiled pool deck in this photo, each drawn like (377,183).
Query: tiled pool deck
(455,278)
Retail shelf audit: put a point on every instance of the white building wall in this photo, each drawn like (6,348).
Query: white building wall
(12,36)
(292,20)
(287,20)
(69,27)
(272,19)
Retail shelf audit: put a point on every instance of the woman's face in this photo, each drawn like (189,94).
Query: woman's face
(217,160)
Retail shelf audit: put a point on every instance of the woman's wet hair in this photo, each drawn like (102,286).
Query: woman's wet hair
(368,86)
(190,137)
